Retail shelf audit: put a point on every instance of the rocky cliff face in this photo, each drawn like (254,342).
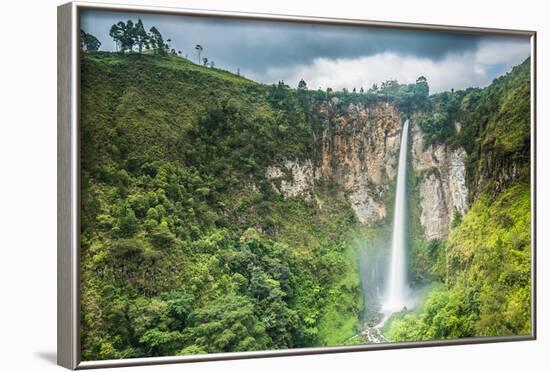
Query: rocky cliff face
(359,152)
(442,185)
(293,178)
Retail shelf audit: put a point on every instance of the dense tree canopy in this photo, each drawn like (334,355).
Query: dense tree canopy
(129,36)
(89,42)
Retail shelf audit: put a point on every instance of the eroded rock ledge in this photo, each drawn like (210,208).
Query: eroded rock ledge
(359,147)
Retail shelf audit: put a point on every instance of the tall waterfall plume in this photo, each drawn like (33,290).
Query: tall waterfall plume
(396,295)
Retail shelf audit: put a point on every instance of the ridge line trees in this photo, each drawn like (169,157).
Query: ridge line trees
(199,49)
(128,36)
(140,35)
(157,42)
(89,42)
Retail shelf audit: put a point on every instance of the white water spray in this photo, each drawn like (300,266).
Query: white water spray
(397,291)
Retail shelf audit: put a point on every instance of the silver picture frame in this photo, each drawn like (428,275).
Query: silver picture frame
(68,187)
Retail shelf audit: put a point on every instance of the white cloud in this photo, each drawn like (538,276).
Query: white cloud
(459,71)
(503,52)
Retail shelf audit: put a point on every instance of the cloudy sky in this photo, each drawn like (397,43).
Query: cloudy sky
(326,55)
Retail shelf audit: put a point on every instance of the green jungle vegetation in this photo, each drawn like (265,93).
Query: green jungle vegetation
(186,248)
(485,266)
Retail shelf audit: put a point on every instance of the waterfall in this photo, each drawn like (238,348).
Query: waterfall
(396,295)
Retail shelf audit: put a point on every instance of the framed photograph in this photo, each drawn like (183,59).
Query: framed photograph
(236,185)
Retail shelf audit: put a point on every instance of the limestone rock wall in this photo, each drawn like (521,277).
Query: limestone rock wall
(293,179)
(359,152)
(442,184)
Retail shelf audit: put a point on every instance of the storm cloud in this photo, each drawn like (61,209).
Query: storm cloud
(329,55)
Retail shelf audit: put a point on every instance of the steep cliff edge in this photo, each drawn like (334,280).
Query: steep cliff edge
(359,150)
(442,187)
(467,143)
(358,154)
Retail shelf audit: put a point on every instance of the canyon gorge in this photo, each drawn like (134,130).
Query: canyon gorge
(220,214)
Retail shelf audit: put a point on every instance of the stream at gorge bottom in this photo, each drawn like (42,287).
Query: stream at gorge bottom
(372,322)
(370,326)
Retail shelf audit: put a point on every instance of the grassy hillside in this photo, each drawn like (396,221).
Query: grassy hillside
(186,247)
